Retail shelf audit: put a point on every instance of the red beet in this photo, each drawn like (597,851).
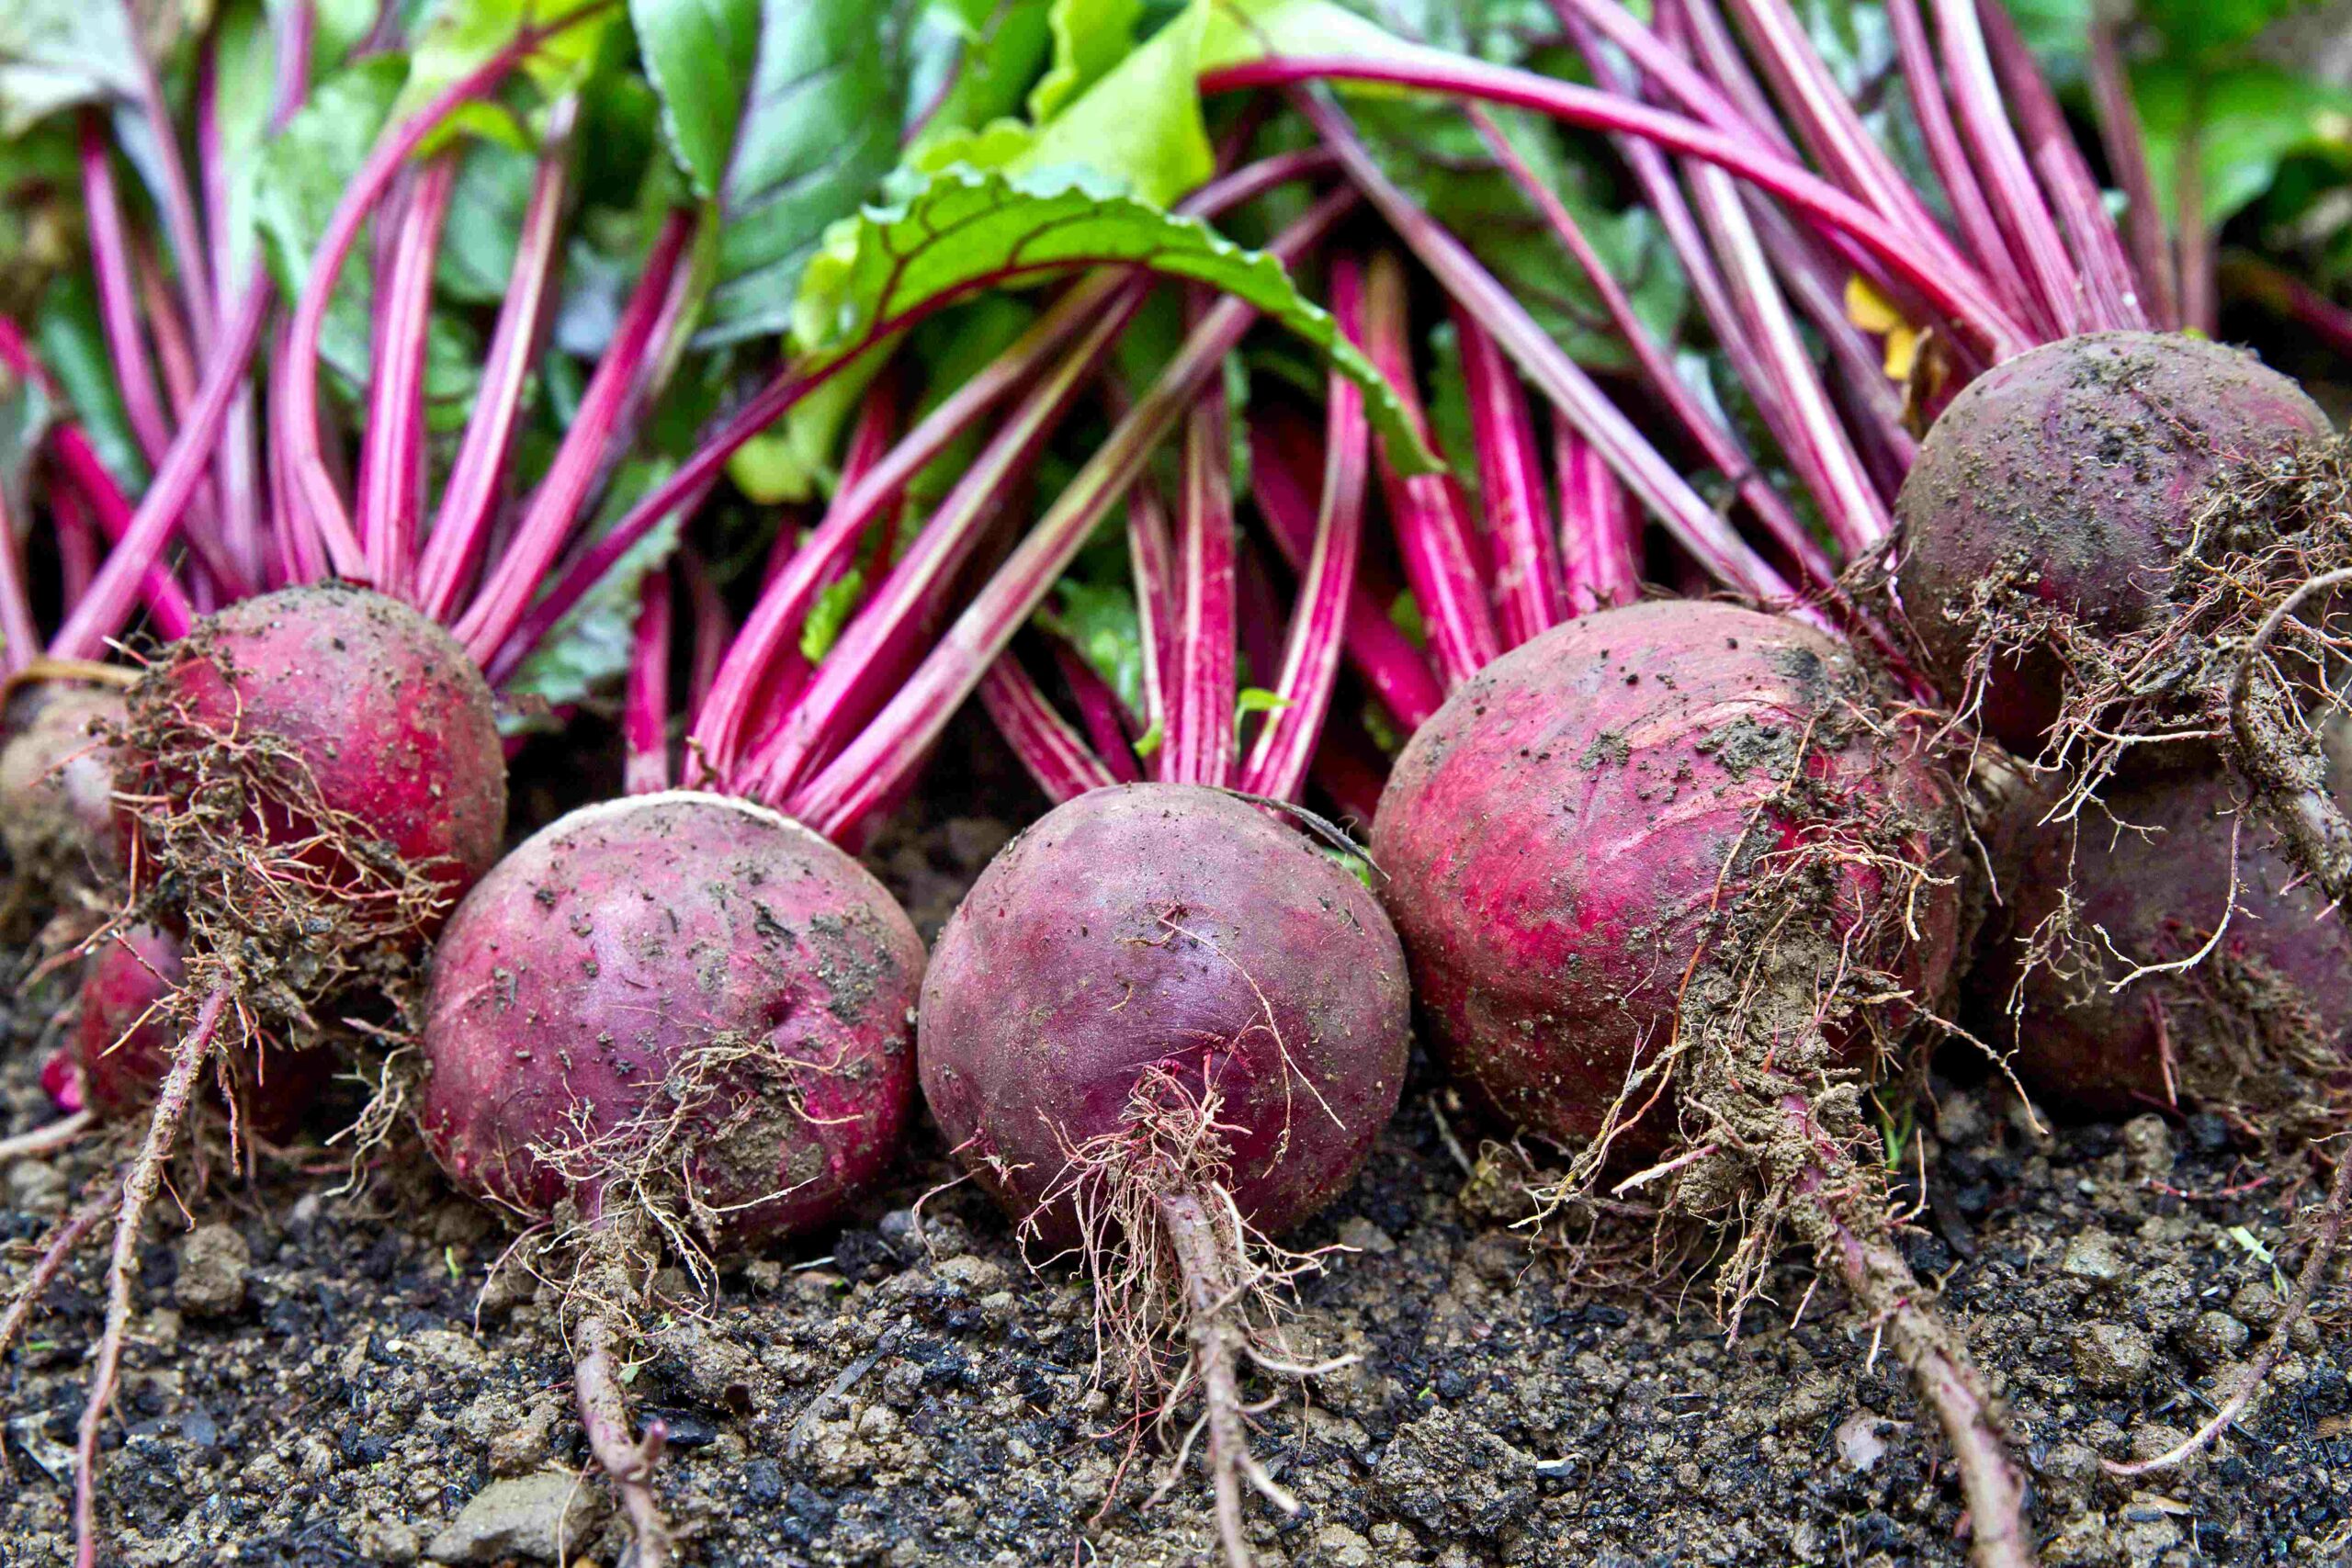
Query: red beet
(123,1039)
(1560,838)
(2066,481)
(2258,1024)
(1163,1025)
(681,979)
(57,781)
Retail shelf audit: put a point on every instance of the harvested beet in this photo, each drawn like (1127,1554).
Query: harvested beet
(57,793)
(2054,501)
(1163,1025)
(1670,886)
(1574,829)
(2162,949)
(676,1023)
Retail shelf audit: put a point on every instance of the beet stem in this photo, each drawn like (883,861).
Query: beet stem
(178,196)
(645,709)
(19,633)
(110,270)
(627,1461)
(146,1173)
(391,467)
(1529,596)
(1049,751)
(1099,710)
(1152,559)
(1601,530)
(2307,1284)
(453,550)
(1200,737)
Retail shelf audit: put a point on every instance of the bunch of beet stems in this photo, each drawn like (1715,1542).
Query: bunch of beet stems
(449,572)
(1187,585)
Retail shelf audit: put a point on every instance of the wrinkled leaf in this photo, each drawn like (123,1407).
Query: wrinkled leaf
(784,113)
(972,62)
(59,54)
(74,346)
(961,230)
(2247,119)
(1090,38)
(461,35)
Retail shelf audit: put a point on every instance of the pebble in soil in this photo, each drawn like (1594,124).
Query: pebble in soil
(308,1384)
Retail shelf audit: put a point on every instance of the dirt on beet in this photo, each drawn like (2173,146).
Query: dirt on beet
(318,1378)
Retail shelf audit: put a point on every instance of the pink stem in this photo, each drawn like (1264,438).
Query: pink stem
(1200,703)
(850,686)
(1694,524)
(1721,448)
(1049,750)
(2112,294)
(645,710)
(110,269)
(1428,513)
(1350,769)
(2017,200)
(77,541)
(1152,558)
(1098,710)
(302,549)
(178,199)
(2280,291)
(103,610)
(1310,670)
(713,627)
(2127,155)
(1989,250)
(553,511)
(298,426)
(454,548)
(1384,657)
(19,637)
(2193,240)
(1601,530)
(392,464)
(870,768)
(1529,592)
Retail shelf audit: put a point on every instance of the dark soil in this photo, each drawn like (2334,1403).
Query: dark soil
(327,1379)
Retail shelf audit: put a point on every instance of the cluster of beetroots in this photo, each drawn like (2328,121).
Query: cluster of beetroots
(1669,878)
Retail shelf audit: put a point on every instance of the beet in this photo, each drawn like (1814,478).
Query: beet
(2066,483)
(2254,1027)
(57,779)
(1163,1025)
(662,957)
(1562,838)
(124,1034)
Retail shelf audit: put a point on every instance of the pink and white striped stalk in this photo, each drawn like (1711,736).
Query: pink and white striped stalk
(1199,744)
(645,705)
(392,464)
(1049,751)
(1530,597)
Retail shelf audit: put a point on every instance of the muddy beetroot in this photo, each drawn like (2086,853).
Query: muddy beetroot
(56,794)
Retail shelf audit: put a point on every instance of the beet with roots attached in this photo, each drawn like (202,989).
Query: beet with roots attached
(1162,1026)
(1587,813)
(1669,881)
(2169,869)
(679,991)
(2052,500)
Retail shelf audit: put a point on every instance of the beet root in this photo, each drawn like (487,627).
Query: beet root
(1668,884)
(675,1021)
(1161,1027)
(57,778)
(1566,836)
(2163,949)
(2054,502)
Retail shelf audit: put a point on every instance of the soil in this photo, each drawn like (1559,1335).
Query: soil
(327,1380)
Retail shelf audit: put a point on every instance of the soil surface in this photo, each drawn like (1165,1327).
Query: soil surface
(322,1379)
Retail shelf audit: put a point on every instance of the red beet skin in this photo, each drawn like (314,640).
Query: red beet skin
(1172,926)
(123,1039)
(1555,836)
(617,944)
(2158,892)
(393,721)
(2075,472)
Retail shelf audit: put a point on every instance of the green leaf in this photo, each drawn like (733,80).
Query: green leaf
(25,416)
(830,614)
(1099,621)
(1139,123)
(246,70)
(1147,744)
(40,213)
(74,346)
(784,113)
(960,230)
(461,35)
(1090,38)
(60,54)
(972,61)
(589,649)
(1257,699)
(2247,119)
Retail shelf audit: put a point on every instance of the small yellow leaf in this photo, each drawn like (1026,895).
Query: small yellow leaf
(1874,312)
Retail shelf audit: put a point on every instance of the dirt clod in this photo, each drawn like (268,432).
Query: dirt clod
(211,1280)
(543,1517)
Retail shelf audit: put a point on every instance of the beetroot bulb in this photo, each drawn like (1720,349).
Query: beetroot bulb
(57,798)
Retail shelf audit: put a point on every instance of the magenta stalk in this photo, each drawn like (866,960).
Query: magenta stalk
(1200,738)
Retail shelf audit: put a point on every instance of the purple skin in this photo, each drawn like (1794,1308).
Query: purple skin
(1556,837)
(614,945)
(2077,470)
(392,720)
(57,789)
(1081,959)
(2159,893)
(123,1041)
